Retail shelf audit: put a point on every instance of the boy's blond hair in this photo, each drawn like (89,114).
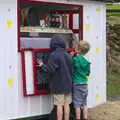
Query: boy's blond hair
(83,47)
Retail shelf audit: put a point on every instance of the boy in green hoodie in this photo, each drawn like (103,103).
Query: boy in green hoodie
(81,71)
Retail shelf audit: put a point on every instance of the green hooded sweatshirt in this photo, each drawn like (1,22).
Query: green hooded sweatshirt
(81,69)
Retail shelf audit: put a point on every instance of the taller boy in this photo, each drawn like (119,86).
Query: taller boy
(60,68)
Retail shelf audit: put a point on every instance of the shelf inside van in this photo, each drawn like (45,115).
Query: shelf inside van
(44,30)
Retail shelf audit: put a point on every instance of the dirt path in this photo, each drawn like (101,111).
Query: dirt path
(107,111)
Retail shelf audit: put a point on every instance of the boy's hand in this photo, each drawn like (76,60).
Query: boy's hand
(40,62)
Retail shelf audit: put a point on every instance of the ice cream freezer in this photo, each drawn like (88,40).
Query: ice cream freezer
(26,28)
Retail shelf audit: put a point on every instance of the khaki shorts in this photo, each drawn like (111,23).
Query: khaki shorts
(62,99)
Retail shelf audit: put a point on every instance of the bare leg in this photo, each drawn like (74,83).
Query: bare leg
(59,112)
(66,111)
(77,113)
(85,112)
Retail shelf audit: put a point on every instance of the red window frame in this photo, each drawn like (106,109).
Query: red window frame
(36,92)
(22,51)
(34,51)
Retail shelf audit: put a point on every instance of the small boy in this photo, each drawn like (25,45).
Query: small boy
(59,67)
(81,70)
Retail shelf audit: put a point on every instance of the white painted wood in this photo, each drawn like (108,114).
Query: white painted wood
(29,73)
(96,37)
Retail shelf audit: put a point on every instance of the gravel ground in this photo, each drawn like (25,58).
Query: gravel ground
(108,111)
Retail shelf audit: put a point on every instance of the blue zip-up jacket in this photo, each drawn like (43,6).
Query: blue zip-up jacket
(59,66)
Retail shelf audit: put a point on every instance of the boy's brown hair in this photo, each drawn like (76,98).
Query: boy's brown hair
(83,47)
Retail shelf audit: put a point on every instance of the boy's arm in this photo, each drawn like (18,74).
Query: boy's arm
(51,66)
(88,69)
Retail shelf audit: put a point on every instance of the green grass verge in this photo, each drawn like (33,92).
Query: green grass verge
(113,20)
(113,7)
(113,14)
(113,85)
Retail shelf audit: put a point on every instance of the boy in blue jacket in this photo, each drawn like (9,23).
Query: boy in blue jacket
(59,67)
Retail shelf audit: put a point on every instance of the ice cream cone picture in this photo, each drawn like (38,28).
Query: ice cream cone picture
(98,11)
(88,27)
(97,96)
(10,82)
(9,24)
(97,49)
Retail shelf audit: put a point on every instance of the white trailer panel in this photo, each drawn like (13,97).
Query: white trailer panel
(12,103)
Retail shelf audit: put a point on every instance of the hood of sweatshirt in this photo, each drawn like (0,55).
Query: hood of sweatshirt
(58,41)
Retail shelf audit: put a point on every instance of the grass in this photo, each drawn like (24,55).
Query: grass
(113,20)
(113,85)
(113,14)
(113,17)
(113,7)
